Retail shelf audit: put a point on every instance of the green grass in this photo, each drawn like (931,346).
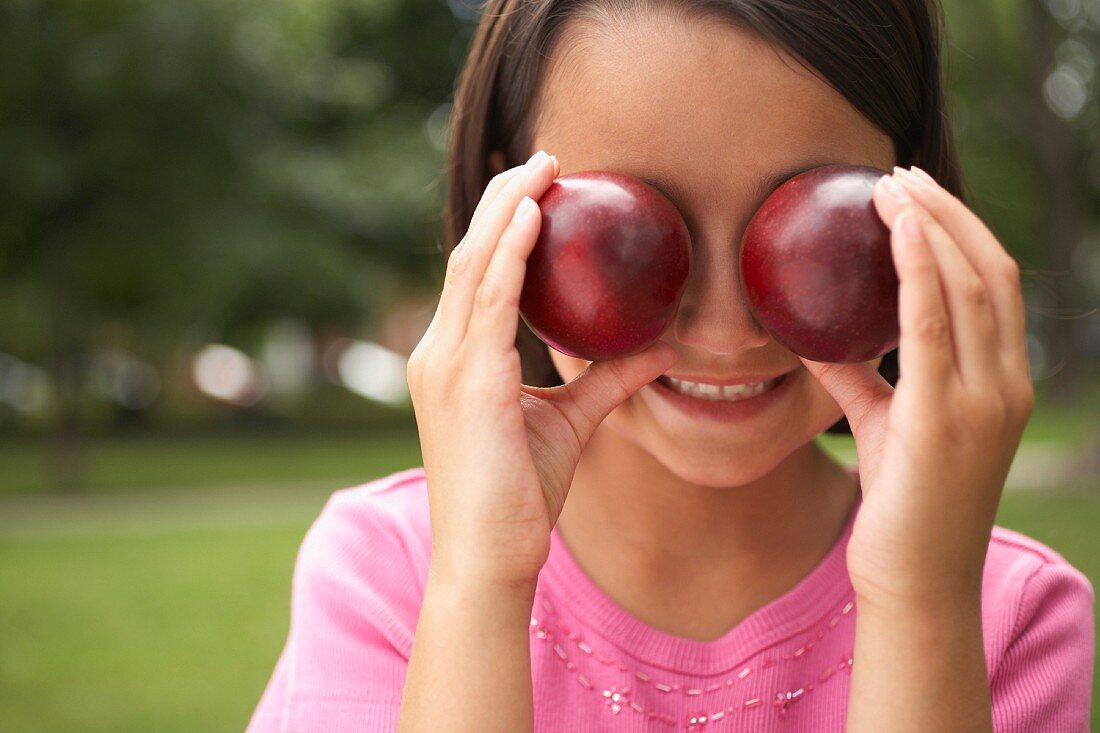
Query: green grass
(180,631)
(165,611)
(159,632)
(157,598)
(128,464)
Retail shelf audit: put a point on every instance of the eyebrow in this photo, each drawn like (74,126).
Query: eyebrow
(760,191)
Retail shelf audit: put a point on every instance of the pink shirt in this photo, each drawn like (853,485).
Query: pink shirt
(359,581)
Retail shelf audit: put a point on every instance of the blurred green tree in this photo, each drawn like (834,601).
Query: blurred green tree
(182,171)
(1023,82)
(189,170)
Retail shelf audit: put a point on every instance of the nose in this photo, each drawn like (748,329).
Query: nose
(714,313)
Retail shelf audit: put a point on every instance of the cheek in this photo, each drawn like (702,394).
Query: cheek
(820,404)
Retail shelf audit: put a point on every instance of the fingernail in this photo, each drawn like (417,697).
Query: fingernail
(536,160)
(895,189)
(909,178)
(924,175)
(557,165)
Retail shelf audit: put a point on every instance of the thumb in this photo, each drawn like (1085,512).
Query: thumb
(858,388)
(604,385)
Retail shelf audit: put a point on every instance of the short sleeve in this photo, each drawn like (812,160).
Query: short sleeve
(1044,681)
(354,603)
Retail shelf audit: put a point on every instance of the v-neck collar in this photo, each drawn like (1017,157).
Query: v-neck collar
(812,598)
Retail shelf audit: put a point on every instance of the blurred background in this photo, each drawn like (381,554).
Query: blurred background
(220,225)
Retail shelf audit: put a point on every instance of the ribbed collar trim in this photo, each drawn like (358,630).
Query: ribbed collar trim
(812,598)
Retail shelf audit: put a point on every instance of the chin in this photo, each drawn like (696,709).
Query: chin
(716,474)
(713,463)
(717,463)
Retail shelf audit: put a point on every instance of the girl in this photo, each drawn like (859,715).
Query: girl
(584,550)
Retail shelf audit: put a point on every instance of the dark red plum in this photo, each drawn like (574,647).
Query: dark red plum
(611,263)
(817,267)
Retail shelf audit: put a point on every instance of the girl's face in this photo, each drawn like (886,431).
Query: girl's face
(717,117)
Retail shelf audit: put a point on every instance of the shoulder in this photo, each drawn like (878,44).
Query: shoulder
(1029,591)
(396,504)
(1016,564)
(386,514)
(367,554)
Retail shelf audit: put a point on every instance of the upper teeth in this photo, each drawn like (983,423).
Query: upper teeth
(720,392)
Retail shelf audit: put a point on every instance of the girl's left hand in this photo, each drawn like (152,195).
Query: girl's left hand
(935,450)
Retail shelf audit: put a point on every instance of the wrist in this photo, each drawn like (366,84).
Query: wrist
(470,666)
(919,666)
(477,562)
(929,605)
(460,580)
(921,591)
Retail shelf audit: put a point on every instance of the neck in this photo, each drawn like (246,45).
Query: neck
(625,508)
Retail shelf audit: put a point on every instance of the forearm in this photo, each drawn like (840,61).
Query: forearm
(919,670)
(470,667)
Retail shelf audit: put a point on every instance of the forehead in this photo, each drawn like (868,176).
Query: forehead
(697,102)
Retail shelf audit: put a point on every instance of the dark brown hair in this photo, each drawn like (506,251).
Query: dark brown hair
(883,56)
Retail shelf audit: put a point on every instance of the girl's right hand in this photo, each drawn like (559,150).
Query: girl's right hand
(499,456)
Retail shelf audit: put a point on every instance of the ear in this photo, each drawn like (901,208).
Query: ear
(496,161)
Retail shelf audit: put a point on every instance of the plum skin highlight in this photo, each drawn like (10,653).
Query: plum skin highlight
(817,267)
(605,277)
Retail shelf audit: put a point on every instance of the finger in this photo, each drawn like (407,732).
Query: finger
(469,260)
(859,389)
(495,314)
(497,185)
(925,355)
(972,325)
(988,257)
(889,198)
(604,385)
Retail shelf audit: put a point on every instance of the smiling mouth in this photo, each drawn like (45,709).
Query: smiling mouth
(718,392)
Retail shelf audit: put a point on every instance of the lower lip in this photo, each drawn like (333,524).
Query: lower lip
(700,408)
